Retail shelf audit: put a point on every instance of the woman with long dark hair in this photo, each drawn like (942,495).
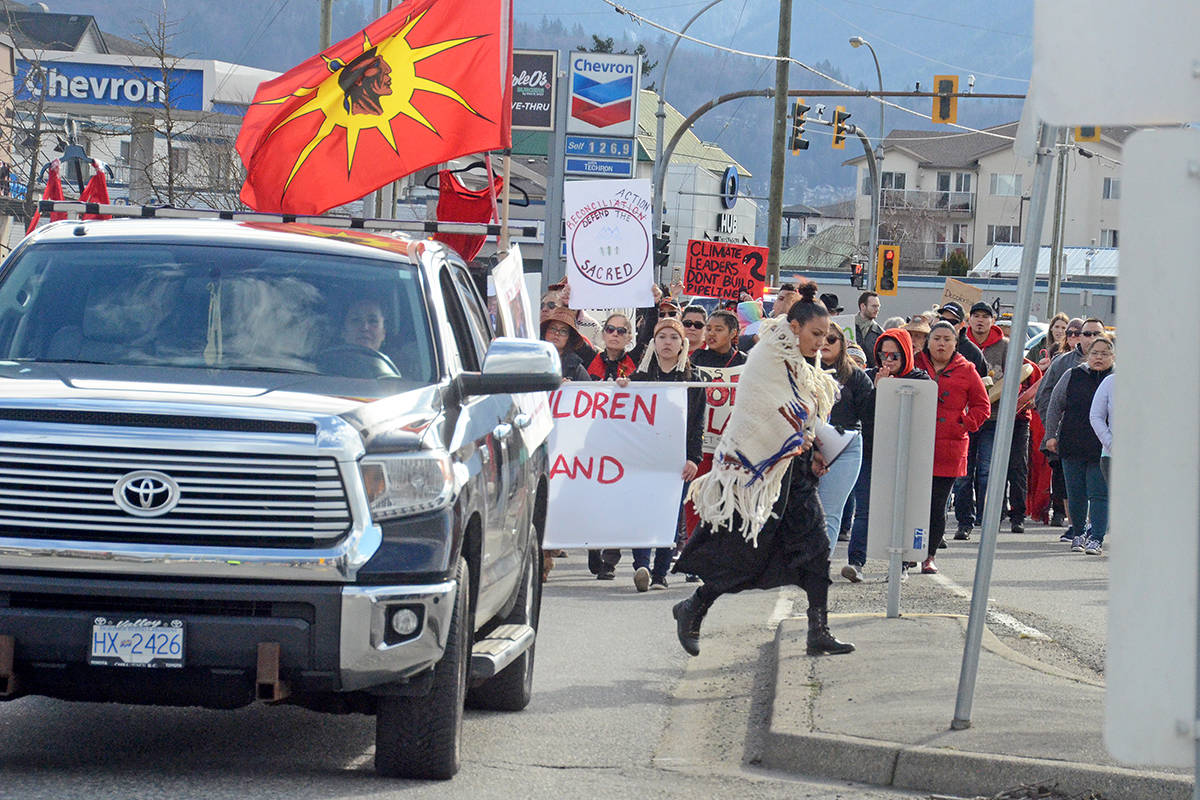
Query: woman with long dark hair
(762,525)
(852,406)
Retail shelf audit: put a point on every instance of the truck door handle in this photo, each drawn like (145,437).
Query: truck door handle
(502,431)
(522,421)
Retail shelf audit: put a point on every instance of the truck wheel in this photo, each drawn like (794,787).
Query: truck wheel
(421,737)
(512,688)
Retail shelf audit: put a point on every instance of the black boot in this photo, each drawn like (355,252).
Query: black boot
(820,640)
(688,616)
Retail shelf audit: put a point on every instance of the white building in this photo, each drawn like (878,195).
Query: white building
(949,191)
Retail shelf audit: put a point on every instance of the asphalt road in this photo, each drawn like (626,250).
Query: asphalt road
(619,711)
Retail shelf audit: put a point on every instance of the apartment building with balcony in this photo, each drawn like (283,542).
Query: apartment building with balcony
(948,191)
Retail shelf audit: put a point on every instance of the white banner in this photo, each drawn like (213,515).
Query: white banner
(512,299)
(610,260)
(718,403)
(846,323)
(616,463)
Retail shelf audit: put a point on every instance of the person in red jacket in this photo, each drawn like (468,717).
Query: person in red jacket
(961,409)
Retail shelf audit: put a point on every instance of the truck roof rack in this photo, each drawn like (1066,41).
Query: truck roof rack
(74,208)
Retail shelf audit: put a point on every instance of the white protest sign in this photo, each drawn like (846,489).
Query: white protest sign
(616,463)
(609,247)
(846,323)
(512,298)
(917,471)
(718,403)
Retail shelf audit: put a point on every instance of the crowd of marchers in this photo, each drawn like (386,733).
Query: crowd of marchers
(1057,471)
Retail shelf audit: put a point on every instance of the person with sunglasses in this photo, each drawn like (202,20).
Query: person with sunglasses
(855,392)
(614,361)
(694,319)
(1079,334)
(894,355)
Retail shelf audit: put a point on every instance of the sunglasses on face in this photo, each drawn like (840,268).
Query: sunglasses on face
(1090,334)
(615,329)
(890,356)
(696,324)
(549,305)
(832,339)
(667,313)
(1073,332)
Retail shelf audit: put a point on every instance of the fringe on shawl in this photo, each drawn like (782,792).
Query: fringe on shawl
(738,486)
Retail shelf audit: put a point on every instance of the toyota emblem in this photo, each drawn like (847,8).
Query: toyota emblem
(146,493)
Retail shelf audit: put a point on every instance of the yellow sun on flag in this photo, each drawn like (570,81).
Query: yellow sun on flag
(370,91)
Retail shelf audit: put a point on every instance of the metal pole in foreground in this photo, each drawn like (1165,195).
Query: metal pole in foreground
(899,504)
(1006,416)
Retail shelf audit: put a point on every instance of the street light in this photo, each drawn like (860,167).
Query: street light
(876,198)
(660,168)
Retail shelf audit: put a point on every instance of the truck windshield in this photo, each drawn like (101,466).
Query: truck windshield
(216,308)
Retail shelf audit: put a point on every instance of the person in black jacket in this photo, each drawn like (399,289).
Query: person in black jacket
(558,328)
(893,353)
(847,415)
(666,360)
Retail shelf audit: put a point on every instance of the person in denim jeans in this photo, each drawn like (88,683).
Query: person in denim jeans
(1069,433)
(836,484)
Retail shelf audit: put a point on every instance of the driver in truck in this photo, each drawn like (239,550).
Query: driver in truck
(364,326)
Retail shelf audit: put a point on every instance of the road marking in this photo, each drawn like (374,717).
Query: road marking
(994,616)
(785,606)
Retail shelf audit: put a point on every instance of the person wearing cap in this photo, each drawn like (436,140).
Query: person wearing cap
(953,313)
(832,303)
(867,330)
(558,328)
(918,329)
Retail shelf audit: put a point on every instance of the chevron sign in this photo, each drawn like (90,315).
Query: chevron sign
(604,91)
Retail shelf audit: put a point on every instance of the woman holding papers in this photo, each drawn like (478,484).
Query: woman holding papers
(962,407)
(761,520)
(854,403)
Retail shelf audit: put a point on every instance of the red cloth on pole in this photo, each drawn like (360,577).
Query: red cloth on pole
(429,81)
(53,191)
(457,203)
(96,190)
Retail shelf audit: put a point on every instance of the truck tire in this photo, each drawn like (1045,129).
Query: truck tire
(512,688)
(421,737)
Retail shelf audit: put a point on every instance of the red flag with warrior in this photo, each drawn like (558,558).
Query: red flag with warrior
(429,81)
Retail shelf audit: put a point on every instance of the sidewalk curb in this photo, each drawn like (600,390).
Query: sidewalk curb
(946,771)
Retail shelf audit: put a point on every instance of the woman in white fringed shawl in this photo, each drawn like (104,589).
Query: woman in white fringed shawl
(762,525)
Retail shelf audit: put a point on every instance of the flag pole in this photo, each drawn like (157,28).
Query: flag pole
(487,160)
(504,235)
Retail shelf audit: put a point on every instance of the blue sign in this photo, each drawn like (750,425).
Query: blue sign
(124,85)
(602,146)
(599,167)
(729,187)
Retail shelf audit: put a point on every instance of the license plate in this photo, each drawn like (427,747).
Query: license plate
(136,643)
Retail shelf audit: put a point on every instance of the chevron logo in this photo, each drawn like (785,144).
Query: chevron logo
(602,104)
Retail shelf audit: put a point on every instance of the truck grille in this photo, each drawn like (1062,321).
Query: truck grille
(52,491)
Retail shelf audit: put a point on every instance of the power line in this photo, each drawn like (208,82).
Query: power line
(659,26)
(938,19)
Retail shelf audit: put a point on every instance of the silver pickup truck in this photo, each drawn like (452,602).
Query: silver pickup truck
(252,462)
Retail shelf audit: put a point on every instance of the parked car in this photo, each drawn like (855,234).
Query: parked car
(267,462)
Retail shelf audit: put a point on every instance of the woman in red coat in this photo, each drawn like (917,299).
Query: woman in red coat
(962,407)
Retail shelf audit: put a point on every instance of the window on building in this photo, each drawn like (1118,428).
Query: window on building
(1112,188)
(125,151)
(218,169)
(810,229)
(962,182)
(1109,237)
(943,181)
(179,160)
(1005,185)
(1003,234)
(892,180)
(959,233)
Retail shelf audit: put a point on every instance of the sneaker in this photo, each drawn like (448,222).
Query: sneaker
(1018,527)
(964,533)
(690,578)
(606,574)
(658,584)
(843,536)
(928,567)
(1094,547)
(1058,519)
(1067,536)
(852,573)
(942,545)
(641,579)
(1078,544)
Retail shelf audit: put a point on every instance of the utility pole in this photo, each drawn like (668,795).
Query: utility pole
(1056,237)
(779,142)
(326,23)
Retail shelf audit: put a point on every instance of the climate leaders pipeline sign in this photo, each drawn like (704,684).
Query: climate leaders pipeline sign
(615,449)
(724,270)
(604,90)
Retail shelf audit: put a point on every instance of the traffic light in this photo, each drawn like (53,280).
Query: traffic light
(798,142)
(858,275)
(945,106)
(839,127)
(887,270)
(1087,133)
(662,247)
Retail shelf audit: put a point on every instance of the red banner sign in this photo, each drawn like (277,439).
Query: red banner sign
(724,270)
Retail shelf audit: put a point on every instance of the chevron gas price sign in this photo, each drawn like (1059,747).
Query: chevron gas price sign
(604,90)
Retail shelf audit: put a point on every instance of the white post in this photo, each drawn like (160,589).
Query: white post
(899,503)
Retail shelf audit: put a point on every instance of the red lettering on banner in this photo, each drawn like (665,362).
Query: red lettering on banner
(724,269)
(560,468)
(648,412)
(618,405)
(554,398)
(580,469)
(708,425)
(605,461)
(587,399)
(599,406)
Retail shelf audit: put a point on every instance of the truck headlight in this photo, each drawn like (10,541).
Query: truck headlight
(409,483)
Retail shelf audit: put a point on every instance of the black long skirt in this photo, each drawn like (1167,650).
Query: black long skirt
(793,548)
